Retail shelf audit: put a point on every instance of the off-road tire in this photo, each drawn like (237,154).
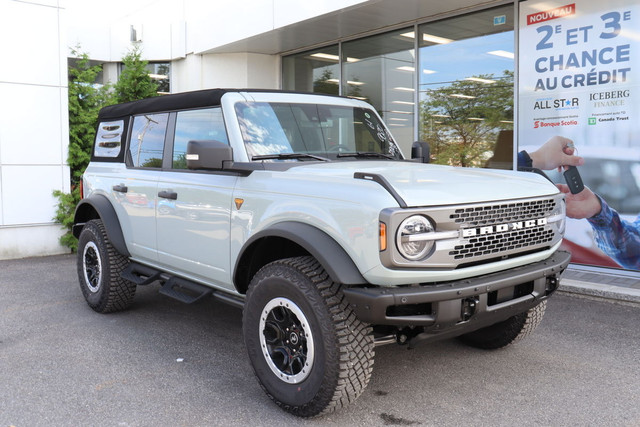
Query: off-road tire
(341,359)
(507,332)
(99,266)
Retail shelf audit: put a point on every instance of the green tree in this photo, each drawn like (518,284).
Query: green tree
(461,121)
(134,81)
(85,100)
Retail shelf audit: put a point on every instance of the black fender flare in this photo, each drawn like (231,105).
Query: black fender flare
(105,211)
(335,260)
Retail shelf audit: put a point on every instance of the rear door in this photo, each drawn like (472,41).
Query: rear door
(135,192)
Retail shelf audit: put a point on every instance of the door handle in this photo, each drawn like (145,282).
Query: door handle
(120,188)
(168,194)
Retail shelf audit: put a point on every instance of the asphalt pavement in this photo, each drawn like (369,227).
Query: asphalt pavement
(164,363)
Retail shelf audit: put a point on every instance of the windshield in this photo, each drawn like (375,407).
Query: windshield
(322,130)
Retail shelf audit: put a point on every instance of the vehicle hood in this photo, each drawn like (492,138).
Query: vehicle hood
(421,184)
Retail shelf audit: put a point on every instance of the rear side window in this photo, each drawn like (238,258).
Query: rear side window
(109,139)
(147,140)
(196,125)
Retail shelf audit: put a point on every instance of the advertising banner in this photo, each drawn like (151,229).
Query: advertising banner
(579,78)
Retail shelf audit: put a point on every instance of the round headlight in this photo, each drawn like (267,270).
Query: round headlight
(409,235)
(563,213)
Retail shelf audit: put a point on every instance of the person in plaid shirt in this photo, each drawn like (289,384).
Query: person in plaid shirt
(617,238)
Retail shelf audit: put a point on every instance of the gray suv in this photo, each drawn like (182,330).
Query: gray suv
(302,210)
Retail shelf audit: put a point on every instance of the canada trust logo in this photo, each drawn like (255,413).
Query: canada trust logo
(592,121)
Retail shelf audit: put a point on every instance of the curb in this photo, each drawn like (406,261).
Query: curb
(608,292)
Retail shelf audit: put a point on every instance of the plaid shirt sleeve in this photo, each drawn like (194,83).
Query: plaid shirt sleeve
(616,237)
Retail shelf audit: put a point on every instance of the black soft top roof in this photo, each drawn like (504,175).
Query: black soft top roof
(177,101)
(172,102)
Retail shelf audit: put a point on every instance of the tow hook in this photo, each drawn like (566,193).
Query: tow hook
(469,306)
(552,285)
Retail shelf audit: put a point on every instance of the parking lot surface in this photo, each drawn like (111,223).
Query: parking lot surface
(164,363)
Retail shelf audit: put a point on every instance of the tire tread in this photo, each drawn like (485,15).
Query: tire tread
(118,293)
(353,340)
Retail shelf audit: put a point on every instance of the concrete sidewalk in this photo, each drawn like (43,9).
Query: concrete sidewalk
(619,286)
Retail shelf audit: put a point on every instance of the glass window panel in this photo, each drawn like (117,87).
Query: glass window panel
(147,140)
(196,125)
(160,73)
(109,139)
(381,70)
(466,88)
(313,71)
(326,130)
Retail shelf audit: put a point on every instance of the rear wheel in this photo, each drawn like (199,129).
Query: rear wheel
(99,267)
(309,352)
(507,332)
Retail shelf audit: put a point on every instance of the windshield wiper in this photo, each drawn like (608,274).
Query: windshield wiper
(286,156)
(364,154)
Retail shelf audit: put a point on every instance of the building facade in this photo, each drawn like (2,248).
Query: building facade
(33,125)
(473,78)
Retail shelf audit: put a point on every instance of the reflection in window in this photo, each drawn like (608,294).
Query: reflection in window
(196,125)
(325,130)
(380,70)
(147,140)
(466,88)
(160,73)
(314,71)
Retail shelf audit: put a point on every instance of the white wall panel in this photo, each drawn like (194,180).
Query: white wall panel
(287,12)
(31,129)
(27,193)
(30,42)
(35,240)
(215,23)
(33,126)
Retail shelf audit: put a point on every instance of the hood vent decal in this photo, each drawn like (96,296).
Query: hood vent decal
(384,183)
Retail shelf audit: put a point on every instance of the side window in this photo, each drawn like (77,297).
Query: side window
(196,125)
(109,139)
(147,140)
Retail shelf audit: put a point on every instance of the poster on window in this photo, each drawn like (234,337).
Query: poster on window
(579,78)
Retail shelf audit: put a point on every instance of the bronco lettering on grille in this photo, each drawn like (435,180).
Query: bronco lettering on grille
(491,229)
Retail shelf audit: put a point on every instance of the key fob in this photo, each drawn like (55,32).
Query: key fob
(574,181)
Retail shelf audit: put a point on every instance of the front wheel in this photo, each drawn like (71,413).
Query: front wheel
(308,350)
(507,332)
(99,268)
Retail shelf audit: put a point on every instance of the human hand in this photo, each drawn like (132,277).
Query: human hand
(556,152)
(585,204)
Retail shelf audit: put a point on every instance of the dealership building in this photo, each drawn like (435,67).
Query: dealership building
(524,70)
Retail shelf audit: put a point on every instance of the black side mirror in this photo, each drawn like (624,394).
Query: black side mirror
(420,151)
(208,154)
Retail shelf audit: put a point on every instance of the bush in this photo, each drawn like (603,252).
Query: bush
(86,98)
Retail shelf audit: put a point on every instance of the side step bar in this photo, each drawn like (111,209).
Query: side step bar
(139,274)
(177,288)
(184,290)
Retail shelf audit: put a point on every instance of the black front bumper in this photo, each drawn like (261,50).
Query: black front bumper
(460,306)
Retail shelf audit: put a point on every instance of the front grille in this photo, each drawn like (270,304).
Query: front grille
(501,213)
(479,233)
(508,241)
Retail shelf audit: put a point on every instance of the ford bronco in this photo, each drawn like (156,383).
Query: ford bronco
(302,210)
